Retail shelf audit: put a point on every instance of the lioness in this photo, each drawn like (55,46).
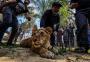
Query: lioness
(40,42)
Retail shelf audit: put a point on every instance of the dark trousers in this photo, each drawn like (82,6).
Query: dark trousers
(52,40)
(4,27)
(82,30)
(8,21)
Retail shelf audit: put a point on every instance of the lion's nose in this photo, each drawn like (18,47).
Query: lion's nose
(38,41)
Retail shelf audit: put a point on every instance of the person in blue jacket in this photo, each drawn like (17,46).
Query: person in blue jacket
(82,20)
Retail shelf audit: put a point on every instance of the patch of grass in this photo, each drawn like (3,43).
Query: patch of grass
(4,45)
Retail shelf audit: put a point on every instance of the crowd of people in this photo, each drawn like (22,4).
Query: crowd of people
(51,18)
(67,35)
(10,9)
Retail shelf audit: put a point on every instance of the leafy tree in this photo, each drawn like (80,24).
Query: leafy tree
(64,13)
(42,5)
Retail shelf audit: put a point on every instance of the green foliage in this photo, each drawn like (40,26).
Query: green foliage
(64,13)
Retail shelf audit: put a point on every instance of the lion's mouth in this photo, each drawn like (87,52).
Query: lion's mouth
(37,44)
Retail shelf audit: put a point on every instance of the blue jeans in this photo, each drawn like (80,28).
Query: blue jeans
(42,23)
(82,30)
(8,21)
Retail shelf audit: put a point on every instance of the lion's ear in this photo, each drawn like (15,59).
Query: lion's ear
(49,29)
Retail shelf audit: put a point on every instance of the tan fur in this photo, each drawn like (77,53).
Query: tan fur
(40,42)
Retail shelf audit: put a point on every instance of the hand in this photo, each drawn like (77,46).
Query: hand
(29,18)
(74,5)
(17,8)
(26,2)
(55,33)
(27,15)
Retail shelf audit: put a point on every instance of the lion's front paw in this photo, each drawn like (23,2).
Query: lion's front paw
(48,54)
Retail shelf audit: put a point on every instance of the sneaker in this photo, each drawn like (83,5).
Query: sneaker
(1,43)
(87,49)
(80,50)
(10,45)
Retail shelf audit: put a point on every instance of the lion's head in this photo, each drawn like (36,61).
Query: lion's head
(40,42)
(41,37)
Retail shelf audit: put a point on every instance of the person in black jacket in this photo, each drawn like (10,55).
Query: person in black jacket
(82,20)
(51,18)
(10,12)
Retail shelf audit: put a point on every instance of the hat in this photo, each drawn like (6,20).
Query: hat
(56,4)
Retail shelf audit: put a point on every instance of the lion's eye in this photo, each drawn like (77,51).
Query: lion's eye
(41,34)
(35,40)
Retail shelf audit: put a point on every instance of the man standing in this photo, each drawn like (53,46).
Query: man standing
(10,11)
(9,20)
(82,19)
(51,19)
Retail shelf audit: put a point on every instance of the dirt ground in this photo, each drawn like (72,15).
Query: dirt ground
(26,55)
